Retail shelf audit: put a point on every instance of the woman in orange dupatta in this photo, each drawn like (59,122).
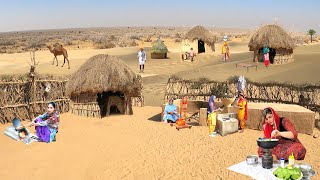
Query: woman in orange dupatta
(242,112)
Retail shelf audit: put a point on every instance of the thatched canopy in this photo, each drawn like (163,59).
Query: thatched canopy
(159,47)
(274,36)
(102,73)
(201,33)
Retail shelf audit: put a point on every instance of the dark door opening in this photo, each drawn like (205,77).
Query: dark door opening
(272,54)
(201,48)
(114,110)
(111,103)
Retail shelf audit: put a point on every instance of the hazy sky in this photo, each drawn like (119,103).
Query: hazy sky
(18,15)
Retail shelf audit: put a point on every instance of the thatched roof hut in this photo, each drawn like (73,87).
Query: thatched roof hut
(203,36)
(159,50)
(100,83)
(279,41)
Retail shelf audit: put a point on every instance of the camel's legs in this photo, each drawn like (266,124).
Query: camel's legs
(57,60)
(53,60)
(68,63)
(64,61)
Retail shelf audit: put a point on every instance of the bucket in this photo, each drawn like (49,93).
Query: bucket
(16,122)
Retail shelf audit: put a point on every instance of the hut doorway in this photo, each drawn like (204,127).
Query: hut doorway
(272,55)
(111,103)
(201,47)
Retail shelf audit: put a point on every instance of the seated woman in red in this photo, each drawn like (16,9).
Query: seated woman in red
(284,130)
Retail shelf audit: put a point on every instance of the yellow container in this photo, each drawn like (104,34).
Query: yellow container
(291,160)
(212,121)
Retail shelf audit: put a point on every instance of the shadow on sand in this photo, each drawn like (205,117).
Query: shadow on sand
(156,118)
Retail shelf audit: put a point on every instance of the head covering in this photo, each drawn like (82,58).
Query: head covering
(170,107)
(225,43)
(211,100)
(267,128)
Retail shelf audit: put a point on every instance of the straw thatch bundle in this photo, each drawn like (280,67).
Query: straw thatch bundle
(201,33)
(159,47)
(274,36)
(103,73)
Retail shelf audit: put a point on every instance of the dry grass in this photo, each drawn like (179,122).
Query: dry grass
(102,73)
(274,36)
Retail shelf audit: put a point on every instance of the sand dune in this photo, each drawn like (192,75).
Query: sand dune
(133,147)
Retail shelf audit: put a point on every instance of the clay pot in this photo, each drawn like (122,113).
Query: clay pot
(181,122)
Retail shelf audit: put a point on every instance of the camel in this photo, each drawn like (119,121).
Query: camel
(59,50)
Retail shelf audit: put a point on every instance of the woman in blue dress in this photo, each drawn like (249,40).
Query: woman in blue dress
(170,112)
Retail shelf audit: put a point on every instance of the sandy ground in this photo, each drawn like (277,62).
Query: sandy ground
(133,147)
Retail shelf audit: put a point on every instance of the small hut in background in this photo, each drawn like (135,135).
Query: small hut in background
(102,86)
(280,43)
(159,50)
(199,38)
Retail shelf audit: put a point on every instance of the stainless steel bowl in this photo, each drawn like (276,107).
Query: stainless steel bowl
(306,169)
(252,159)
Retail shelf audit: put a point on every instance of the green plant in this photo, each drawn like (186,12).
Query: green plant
(311,32)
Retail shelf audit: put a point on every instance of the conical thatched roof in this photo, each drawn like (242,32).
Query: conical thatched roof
(104,73)
(274,36)
(159,47)
(201,33)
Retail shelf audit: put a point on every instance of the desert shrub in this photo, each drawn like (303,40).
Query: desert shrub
(6,42)
(133,43)
(135,37)
(177,40)
(105,45)
(113,38)
(67,41)
(148,39)
(177,35)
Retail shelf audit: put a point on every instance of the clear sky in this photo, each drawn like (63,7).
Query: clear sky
(19,15)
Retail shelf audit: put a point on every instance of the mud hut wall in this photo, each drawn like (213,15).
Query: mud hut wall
(15,100)
(304,95)
(84,98)
(88,109)
(137,101)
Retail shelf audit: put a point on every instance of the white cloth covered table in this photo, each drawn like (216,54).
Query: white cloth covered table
(255,171)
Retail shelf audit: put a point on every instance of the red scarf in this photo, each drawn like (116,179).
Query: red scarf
(267,128)
(246,107)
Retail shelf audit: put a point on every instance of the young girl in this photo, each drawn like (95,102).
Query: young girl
(46,125)
(284,130)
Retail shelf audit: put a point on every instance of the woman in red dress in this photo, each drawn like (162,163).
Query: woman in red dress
(284,130)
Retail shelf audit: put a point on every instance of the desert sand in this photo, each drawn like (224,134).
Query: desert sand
(139,146)
(133,147)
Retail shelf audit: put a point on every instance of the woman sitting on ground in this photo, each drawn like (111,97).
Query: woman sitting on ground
(284,130)
(170,112)
(46,125)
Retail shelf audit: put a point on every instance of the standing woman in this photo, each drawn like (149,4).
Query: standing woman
(46,125)
(243,111)
(266,55)
(225,52)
